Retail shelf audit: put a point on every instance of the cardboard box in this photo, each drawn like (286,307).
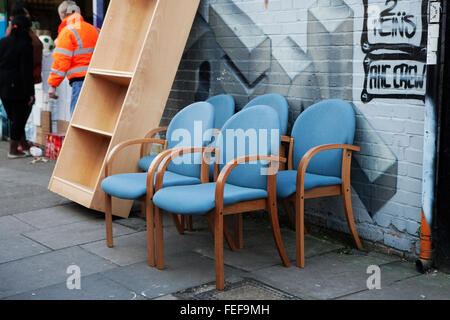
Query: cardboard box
(46,121)
(40,136)
(53,145)
(62,126)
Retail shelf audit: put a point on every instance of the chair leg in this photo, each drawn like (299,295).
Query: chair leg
(291,215)
(347,198)
(218,251)
(273,212)
(150,233)
(159,239)
(143,215)
(108,221)
(177,221)
(189,224)
(299,230)
(288,209)
(226,231)
(238,232)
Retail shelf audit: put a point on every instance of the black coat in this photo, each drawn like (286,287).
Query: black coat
(16,69)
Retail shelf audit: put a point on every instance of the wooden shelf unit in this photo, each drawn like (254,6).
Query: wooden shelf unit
(123,96)
(119,77)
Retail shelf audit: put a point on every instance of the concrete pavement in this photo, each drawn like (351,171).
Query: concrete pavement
(42,235)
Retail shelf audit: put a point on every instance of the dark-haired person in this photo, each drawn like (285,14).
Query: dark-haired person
(21,8)
(17,82)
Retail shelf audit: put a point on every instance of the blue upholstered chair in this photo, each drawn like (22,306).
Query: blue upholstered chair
(276,101)
(280,104)
(224,107)
(322,137)
(139,186)
(244,184)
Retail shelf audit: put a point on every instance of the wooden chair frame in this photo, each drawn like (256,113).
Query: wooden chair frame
(146,201)
(150,134)
(180,225)
(344,189)
(144,204)
(217,214)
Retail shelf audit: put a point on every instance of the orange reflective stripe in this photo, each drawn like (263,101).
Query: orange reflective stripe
(83,51)
(58,73)
(63,51)
(76,70)
(76,44)
(77,36)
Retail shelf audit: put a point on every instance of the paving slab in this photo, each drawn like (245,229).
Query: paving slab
(434,286)
(47,269)
(331,275)
(24,164)
(181,272)
(23,186)
(57,216)
(22,192)
(19,247)
(11,226)
(93,287)
(260,251)
(137,224)
(128,249)
(75,234)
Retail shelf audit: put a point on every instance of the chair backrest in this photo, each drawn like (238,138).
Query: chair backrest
(187,129)
(224,107)
(254,131)
(276,101)
(327,122)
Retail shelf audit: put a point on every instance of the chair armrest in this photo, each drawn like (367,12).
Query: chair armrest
(301,170)
(225,172)
(152,170)
(176,152)
(290,158)
(154,131)
(150,134)
(285,139)
(112,154)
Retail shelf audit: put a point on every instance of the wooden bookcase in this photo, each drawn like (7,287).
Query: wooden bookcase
(123,96)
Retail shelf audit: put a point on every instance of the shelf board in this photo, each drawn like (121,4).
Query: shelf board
(77,192)
(101,132)
(75,185)
(121,77)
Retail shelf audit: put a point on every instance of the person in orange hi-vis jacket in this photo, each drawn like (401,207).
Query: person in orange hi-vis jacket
(74,48)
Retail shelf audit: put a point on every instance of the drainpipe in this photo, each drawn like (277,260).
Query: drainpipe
(432,100)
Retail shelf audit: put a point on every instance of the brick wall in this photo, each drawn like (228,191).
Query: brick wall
(310,50)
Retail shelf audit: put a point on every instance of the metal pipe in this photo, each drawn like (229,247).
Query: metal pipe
(432,101)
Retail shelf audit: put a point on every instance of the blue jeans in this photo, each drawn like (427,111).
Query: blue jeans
(76,88)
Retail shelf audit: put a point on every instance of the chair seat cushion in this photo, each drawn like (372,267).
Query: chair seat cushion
(134,185)
(145,162)
(200,198)
(287,182)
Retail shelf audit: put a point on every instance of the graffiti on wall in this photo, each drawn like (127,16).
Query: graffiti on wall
(394,41)
(231,50)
